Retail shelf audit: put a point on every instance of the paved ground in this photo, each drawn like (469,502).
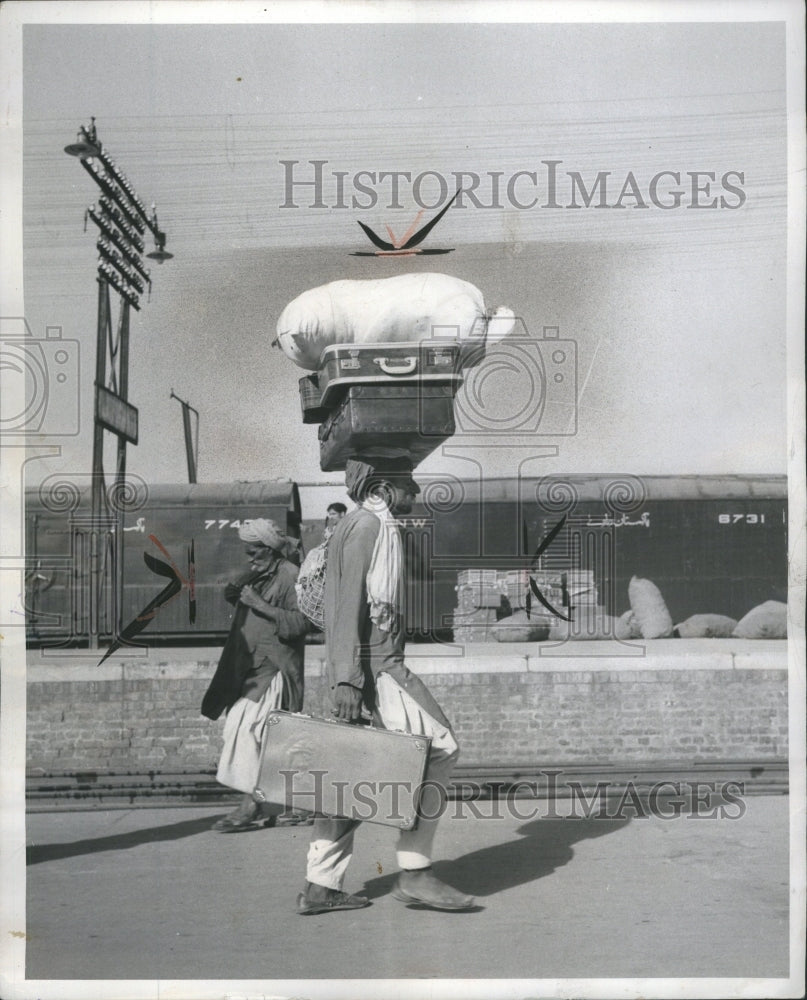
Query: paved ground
(151,893)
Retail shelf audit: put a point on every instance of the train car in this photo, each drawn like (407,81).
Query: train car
(711,544)
(192,526)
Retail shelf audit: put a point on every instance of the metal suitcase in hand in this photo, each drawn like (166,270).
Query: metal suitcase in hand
(387,420)
(358,772)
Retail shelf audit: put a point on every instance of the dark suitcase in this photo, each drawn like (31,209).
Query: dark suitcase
(311,400)
(422,363)
(358,772)
(387,420)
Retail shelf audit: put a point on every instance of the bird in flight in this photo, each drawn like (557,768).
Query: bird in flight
(407,244)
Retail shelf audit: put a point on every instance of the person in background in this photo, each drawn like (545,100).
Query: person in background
(311,579)
(333,515)
(261,665)
(365,660)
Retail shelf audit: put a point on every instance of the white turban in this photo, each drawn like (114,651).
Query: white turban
(263,532)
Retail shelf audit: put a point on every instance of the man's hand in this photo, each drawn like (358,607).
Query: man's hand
(252,599)
(347,703)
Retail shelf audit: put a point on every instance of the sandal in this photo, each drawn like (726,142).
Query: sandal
(335,900)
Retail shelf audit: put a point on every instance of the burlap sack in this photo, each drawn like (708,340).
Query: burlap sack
(519,628)
(649,609)
(627,627)
(706,627)
(592,627)
(765,621)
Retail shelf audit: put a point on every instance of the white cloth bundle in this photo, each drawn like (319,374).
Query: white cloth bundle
(405,308)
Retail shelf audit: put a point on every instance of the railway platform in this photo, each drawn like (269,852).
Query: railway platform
(153,894)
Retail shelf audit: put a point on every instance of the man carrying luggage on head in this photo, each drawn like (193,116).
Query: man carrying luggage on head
(365,651)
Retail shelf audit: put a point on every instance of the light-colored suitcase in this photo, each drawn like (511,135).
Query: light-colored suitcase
(358,772)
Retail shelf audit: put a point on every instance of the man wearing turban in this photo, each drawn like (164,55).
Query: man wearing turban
(261,665)
(365,657)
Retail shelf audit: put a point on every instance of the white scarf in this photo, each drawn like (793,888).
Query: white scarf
(384,573)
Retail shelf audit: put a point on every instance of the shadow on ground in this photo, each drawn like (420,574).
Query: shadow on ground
(541,847)
(38,853)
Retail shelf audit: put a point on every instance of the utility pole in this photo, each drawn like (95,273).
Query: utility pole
(191,433)
(122,221)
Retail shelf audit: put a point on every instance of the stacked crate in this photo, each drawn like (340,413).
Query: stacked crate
(484,596)
(580,587)
(480,602)
(516,582)
(513,584)
(588,615)
(550,584)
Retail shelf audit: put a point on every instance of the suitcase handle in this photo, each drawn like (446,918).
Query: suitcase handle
(406,367)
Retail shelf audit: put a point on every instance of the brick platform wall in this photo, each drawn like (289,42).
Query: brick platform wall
(682,700)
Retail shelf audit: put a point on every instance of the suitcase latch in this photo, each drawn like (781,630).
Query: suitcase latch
(438,357)
(351,363)
(420,746)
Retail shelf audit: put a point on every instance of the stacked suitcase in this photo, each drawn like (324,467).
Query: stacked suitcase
(382,399)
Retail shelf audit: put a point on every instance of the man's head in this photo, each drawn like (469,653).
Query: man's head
(334,514)
(399,492)
(264,543)
(260,558)
(387,478)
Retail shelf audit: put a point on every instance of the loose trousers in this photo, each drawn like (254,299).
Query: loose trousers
(240,758)
(331,845)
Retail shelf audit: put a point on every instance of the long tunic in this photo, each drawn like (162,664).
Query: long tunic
(357,649)
(257,648)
